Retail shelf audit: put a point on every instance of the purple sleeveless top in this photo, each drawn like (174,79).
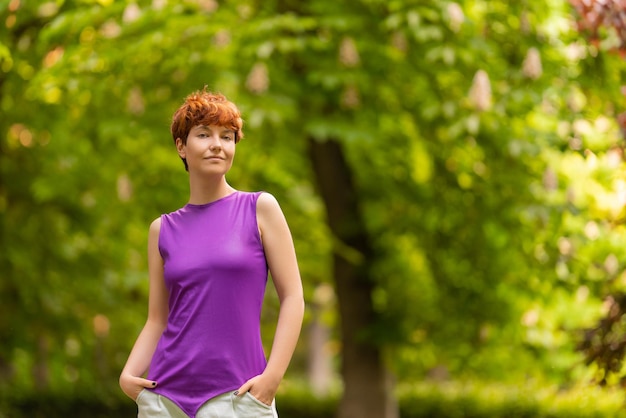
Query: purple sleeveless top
(215,271)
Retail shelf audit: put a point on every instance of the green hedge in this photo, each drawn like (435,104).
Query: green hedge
(477,400)
(415,401)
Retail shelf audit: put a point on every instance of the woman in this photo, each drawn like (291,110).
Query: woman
(208,267)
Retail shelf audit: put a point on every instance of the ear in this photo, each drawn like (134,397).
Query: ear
(180,147)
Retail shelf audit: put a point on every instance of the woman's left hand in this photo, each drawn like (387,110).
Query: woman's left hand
(261,387)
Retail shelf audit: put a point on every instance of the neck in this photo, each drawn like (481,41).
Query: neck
(205,190)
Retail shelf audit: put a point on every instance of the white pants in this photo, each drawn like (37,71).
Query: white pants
(153,405)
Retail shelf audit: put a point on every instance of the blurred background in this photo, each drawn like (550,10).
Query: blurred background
(452,172)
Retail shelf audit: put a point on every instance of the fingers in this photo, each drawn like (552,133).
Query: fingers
(243,389)
(132,385)
(136,380)
(246,386)
(257,389)
(147,383)
(140,381)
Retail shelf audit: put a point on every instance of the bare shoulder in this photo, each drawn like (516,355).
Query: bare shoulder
(267,204)
(269,214)
(153,238)
(155,231)
(155,226)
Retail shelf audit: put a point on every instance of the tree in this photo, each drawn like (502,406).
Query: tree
(604,26)
(434,160)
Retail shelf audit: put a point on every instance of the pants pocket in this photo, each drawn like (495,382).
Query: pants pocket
(255,400)
(141,392)
(249,406)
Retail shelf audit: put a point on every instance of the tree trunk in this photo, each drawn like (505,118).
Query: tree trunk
(320,369)
(367,392)
(41,372)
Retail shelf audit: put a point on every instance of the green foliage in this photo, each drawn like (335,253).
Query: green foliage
(492,184)
(488,400)
(451,400)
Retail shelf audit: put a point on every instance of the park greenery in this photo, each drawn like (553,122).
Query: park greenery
(452,172)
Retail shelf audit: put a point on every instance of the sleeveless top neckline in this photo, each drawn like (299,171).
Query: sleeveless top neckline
(204,205)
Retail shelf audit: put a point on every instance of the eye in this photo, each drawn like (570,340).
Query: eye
(227,137)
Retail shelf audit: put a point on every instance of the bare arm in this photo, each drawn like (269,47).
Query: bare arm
(283,265)
(131,380)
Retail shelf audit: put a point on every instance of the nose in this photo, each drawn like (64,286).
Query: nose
(215,143)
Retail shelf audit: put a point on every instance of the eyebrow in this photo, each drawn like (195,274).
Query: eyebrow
(207,128)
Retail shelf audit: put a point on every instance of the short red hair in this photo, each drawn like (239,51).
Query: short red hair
(205,108)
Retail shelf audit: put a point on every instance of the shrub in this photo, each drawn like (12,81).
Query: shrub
(420,400)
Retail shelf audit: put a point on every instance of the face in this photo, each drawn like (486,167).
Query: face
(209,149)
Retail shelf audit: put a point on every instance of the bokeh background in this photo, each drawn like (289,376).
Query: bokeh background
(452,171)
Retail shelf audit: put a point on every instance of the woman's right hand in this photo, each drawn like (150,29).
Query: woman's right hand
(133,385)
